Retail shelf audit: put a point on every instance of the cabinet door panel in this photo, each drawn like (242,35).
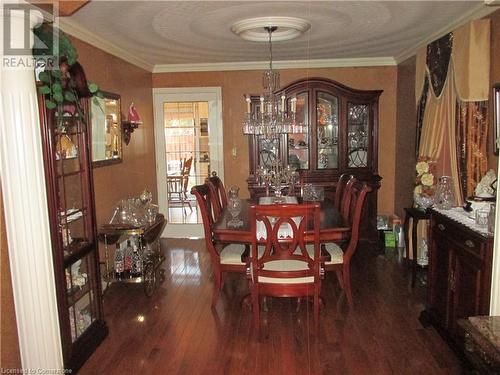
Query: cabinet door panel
(440,272)
(466,284)
(357,135)
(299,144)
(268,151)
(327,129)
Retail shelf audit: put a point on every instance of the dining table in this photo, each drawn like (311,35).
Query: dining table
(333,227)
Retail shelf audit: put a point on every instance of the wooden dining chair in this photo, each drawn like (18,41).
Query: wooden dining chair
(178,185)
(218,193)
(224,257)
(341,254)
(284,268)
(340,189)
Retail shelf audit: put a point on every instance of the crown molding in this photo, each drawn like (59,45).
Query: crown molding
(478,12)
(73,28)
(285,64)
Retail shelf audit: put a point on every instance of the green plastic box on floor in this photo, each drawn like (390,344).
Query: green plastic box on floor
(390,239)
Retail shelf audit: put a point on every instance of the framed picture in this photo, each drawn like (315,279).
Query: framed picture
(496,117)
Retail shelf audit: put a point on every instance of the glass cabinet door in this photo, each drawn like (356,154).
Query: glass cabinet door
(76,232)
(357,135)
(268,151)
(81,299)
(327,129)
(298,143)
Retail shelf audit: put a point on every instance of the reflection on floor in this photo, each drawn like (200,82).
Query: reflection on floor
(184,215)
(176,332)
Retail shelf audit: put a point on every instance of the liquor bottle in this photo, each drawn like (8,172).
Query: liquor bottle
(128,259)
(136,263)
(119,263)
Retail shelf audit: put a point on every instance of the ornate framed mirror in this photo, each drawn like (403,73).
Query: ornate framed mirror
(106,129)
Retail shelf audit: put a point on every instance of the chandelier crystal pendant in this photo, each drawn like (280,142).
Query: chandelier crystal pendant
(272,119)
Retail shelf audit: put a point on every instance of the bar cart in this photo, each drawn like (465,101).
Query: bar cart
(148,244)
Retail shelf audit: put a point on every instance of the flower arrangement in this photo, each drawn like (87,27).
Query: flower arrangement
(424,182)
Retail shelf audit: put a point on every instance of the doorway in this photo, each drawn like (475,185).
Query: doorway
(188,140)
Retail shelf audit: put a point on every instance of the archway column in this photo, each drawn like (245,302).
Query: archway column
(25,205)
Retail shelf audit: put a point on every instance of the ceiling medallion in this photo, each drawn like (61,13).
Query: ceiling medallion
(254,28)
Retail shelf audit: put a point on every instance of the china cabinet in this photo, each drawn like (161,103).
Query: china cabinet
(70,198)
(460,261)
(340,136)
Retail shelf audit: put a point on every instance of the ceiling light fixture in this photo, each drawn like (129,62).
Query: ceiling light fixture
(271,117)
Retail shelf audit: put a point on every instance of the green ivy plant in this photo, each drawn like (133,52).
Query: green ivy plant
(58,85)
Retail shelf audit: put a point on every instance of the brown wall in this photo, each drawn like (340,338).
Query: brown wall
(494,79)
(405,136)
(9,344)
(137,171)
(235,84)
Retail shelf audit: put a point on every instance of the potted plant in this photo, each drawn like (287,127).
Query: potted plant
(65,82)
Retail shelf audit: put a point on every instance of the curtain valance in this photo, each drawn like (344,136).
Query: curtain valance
(470,56)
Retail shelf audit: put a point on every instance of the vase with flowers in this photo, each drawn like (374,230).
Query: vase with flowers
(423,194)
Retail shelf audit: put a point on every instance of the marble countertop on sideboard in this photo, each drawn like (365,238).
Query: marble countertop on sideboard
(488,327)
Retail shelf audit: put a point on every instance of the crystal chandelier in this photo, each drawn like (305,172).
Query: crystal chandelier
(272,118)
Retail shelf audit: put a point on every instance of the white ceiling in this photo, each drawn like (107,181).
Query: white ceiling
(161,35)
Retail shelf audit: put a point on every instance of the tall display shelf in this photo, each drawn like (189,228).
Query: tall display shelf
(71,206)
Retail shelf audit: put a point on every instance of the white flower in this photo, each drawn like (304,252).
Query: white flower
(417,190)
(422,167)
(427,179)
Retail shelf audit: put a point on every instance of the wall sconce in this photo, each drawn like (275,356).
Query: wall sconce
(132,123)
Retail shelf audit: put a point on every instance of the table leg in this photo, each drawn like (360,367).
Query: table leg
(414,249)
(406,234)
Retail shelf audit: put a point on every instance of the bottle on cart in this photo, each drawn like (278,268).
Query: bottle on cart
(128,259)
(136,263)
(119,262)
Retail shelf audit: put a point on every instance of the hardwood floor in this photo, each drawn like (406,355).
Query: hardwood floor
(176,332)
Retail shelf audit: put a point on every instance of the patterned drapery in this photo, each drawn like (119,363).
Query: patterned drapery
(438,60)
(420,114)
(472,133)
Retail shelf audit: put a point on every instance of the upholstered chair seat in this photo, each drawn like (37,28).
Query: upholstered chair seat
(232,254)
(286,265)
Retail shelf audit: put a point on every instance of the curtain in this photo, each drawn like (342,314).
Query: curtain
(449,72)
(472,132)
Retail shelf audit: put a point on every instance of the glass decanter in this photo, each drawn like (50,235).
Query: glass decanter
(234,207)
(445,197)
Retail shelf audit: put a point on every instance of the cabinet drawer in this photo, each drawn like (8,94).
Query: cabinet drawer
(459,235)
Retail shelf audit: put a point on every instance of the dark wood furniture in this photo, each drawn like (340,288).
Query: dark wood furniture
(342,137)
(340,259)
(71,207)
(459,274)
(340,188)
(218,192)
(482,343)
(416,214)
(226,257)
(332,226)
(284,268)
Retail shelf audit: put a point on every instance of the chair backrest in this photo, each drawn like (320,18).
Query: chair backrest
(204,200)
(218,193)
(186,170)
(283,227)
(346,196)
(340,188)
(355,200)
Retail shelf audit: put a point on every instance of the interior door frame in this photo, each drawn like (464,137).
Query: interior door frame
(212,95)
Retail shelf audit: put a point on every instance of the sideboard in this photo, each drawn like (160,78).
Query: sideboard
(460,261)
